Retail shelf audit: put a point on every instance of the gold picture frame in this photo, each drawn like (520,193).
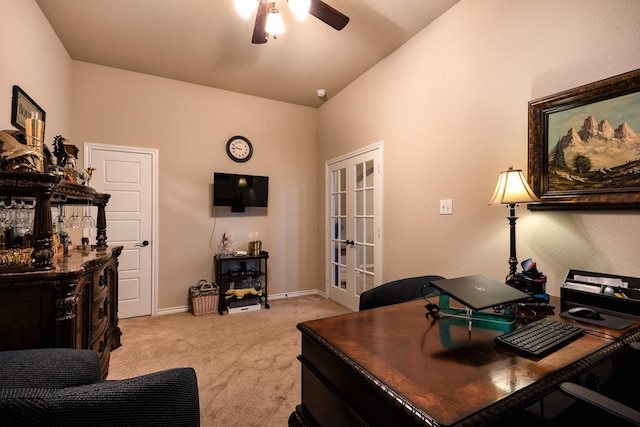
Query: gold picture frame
(584,146)
(21,107)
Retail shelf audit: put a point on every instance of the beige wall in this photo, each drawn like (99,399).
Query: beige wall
(451,108)
(190,126)
(32,57)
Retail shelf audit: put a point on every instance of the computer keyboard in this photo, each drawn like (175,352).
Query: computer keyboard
(540,337)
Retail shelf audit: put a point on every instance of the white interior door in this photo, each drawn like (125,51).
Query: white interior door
(354,215)
(128,175)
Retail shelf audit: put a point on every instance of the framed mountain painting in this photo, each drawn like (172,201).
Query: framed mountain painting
(584,146)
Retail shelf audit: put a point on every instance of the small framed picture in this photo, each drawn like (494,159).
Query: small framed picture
(21,107)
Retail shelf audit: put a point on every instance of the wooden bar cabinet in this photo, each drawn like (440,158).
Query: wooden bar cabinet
(68,300)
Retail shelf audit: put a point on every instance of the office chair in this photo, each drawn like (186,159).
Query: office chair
(398,291)
(603,403)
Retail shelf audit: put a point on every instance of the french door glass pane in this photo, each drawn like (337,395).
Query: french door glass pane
(359,230)
(369,258)
(370,174)
(360,282)
(369,201)
(369,231)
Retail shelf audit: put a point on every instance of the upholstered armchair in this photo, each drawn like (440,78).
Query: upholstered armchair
(63,387)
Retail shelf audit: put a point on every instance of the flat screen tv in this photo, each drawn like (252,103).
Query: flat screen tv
(240,191)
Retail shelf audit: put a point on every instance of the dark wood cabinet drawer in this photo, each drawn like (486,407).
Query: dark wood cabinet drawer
(99,320)
(98,327)
(99,282)
(99,295)
(101,346)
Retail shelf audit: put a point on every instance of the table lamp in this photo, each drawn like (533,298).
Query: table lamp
(512,189)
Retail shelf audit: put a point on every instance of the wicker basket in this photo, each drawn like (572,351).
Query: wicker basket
(204,297)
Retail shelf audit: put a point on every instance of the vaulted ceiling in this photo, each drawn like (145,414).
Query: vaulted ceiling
(208,43)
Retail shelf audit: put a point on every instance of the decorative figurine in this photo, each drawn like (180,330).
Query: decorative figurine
(90,170)
(59,151)
(82,176)
(226,249)
(18,157)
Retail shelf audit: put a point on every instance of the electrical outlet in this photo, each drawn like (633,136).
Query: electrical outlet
(446,207)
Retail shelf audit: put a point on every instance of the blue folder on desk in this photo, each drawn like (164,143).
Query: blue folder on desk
(480,291)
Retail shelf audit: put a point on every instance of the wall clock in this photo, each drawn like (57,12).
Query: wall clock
(239,148)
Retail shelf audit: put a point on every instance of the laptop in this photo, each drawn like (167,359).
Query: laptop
(479,291)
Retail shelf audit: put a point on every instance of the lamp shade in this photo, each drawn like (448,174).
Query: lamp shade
(512,188)
(275,25)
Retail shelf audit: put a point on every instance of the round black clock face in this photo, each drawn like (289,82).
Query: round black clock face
(239,148)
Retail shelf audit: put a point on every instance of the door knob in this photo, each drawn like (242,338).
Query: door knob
(142,244)
(349,242)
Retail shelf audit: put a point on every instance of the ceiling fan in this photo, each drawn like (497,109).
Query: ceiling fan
(269,21)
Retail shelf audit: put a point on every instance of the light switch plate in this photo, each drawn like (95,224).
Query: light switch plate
(446,207)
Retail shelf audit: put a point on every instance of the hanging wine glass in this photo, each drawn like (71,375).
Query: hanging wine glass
(74,220)
(88,223)
(61,219)
(13,206)
(29,214)
(87,219)
(22,217)
(4,214)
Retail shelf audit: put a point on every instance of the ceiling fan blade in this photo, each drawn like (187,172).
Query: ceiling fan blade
(328,14)
(260,28)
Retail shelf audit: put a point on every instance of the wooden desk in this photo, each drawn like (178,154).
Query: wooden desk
(391,366)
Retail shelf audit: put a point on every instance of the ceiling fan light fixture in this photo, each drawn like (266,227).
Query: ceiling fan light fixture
(245,7)
(275,25)
(300,8)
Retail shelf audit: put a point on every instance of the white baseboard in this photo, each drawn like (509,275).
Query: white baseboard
(295,294)
(286,295)
(173,310)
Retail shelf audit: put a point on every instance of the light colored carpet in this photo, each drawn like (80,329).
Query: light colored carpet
(246,363)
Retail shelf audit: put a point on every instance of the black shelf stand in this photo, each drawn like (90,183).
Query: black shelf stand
(241,271)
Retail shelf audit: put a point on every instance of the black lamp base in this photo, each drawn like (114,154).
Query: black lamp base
(513,260)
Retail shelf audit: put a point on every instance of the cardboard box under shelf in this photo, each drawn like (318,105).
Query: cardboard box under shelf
(629,307)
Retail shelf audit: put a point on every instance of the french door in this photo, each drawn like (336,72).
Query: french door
(354,217)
